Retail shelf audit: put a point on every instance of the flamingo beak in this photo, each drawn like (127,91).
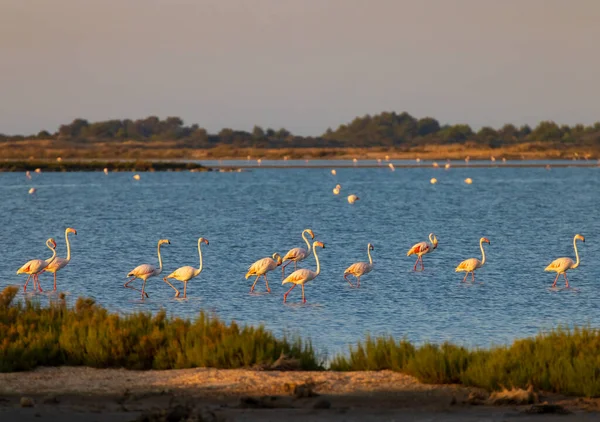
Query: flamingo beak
(205,241)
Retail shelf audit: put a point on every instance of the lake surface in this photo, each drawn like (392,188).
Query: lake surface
(529,214)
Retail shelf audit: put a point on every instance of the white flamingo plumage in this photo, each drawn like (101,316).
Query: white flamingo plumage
(59,263)
(297,254)
(34,267)
(352,199)
(471,264)
(359,269)
(303,275)
(562,265)
(185,274)
(145,271)
(421,249)
(262,267)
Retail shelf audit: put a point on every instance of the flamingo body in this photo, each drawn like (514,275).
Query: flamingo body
(59,263)
(34,267)
(145,271)
(297,254)
(422,248)
(262,267)
(186,273)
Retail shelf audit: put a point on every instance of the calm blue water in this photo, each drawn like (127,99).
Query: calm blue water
(530,216)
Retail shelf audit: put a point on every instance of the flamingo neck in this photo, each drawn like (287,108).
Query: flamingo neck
(369,253)
(576,253)
(482,252)
(316,259)
(68,246)
(307,243)
(199,270)
(159,261)
(49,260)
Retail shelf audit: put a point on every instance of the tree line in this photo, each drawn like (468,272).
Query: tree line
(387,129)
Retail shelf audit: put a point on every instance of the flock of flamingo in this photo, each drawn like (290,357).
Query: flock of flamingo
(261,267)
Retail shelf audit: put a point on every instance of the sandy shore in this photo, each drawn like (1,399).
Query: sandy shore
(74,394)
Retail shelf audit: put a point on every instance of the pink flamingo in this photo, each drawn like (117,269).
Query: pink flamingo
(297,254)
(186,273)
(421,249)
(303,276)
(145,271)
(360,268)
(471,264)
(262,267)
(60,263)
(36,266)
(562,265)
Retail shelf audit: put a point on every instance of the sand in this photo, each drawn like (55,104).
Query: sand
(85,394)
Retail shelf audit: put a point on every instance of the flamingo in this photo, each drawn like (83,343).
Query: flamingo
(561,265)
(36,266)
(352,199)
(186,273)
(471,264)
(360,268)
(262,267)
(60,263)
(145,271)
(421,249)
(303,275)
(297,254)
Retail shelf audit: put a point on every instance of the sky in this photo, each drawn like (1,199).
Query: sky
(304,65)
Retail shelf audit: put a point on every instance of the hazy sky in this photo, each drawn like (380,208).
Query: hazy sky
(300,64)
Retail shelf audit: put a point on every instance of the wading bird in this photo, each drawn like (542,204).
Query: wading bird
(303,275)
(145,271)
(186,273)
(262,267)
(360,268)
(471,264)
(59,263)
(352,199)
(36,266)
(297,254)
(561,265)
(421,249)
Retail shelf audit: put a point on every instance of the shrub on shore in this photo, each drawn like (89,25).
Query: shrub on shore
(33,335)
(561,361)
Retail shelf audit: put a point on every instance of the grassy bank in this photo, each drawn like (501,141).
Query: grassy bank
(31,335)
(63,166)
(86,334)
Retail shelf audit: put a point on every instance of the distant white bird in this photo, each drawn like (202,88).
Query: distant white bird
(32,191)
(468,180)
(105,170)
(28,174)
(471,264)
(562,265)
(433,181)
(186,273)
(145,271)
(387,158)
(391,166)
(60,263)
(447,166)
(259,161)
(297,254)
(333,172)
(261,268)
(379,161)
(359,269)
(435,165)
(352,199)
(336,190)
(493,159)
(34,267)
(303,275)
(136,177)
(418,160)
(38,170)
(354,160)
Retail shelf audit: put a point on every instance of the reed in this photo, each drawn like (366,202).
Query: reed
(565,361)
(32,335)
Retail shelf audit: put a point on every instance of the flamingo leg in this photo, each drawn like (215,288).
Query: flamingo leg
(283,269)
(287,293)
(346,278)
(303,298)
(38,282)
(143,287)
(133,288)
(55,281)
(465,279)
(566,280)
(185,289)
(295,265)
(358,282)
(416,262)
(472,276)
(555,280)
(173,287)
(267,283)
(422,266)
(26,283)
(254,284)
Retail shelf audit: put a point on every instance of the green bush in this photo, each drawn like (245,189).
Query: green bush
(32,335)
